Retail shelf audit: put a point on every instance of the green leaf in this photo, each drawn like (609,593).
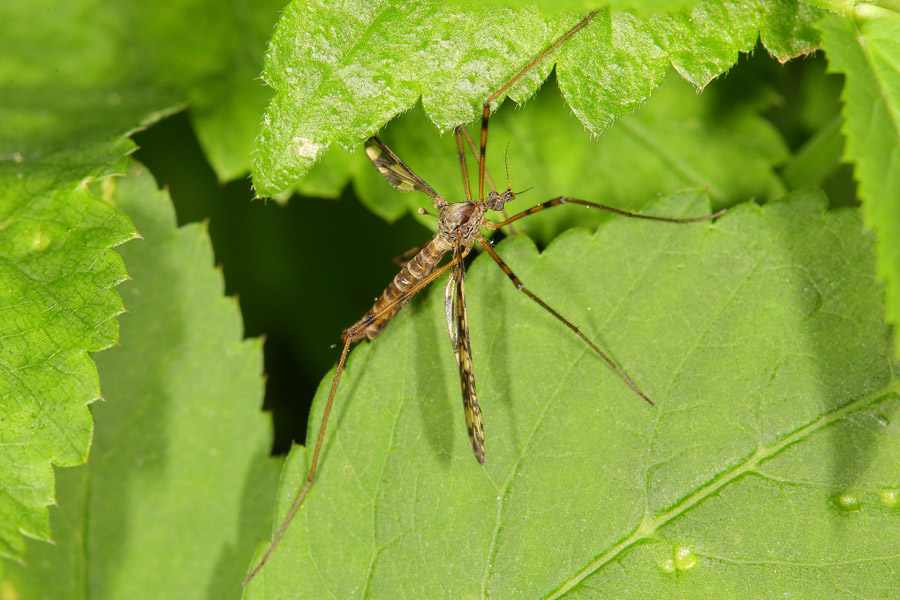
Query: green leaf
(341,75)
(869,55)
(76,72)
(57,273)
(179,481)
(768,466)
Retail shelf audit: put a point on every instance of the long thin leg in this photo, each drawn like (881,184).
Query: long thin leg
(462,162)
(312,468)
(475,153)
(519,286)
(540,56)
(564,200)
(485,115)
(486,108)
(487,174)
(349,339)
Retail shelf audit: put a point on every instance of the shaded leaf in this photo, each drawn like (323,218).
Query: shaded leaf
(767,466)
(177,486)
(869,55)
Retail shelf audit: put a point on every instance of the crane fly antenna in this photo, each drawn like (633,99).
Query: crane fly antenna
(506,164)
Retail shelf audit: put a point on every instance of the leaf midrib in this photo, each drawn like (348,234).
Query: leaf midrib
(648,527)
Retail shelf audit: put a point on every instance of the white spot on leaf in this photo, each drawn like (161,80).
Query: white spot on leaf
(306,148)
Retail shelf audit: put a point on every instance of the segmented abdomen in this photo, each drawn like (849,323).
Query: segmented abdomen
(397,293)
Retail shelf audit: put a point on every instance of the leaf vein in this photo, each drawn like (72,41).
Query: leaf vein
(649,526)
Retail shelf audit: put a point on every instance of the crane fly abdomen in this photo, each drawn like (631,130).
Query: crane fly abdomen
(391,300)
(458,220)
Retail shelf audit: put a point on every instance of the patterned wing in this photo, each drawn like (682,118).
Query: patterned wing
(450,311)
(458,325)
(395,170)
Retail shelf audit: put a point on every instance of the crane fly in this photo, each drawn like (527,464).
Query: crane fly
(459,228)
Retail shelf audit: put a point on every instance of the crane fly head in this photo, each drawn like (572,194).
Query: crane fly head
(496,200)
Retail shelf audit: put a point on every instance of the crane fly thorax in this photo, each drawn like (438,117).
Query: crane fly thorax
(461,220)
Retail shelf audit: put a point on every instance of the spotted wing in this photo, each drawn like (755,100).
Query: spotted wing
(458,326)
(395,170)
